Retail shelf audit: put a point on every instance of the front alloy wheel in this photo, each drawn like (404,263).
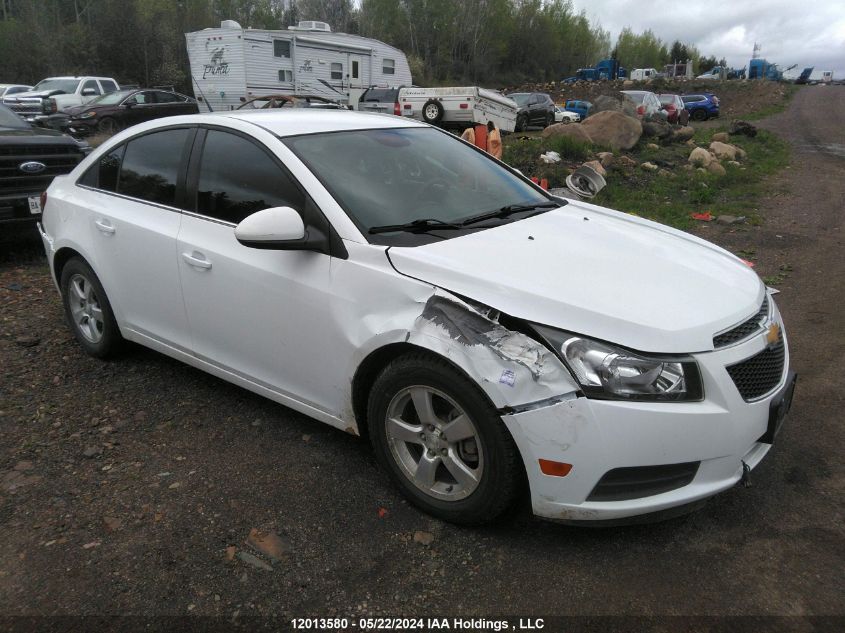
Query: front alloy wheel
(442,441)
(434,442)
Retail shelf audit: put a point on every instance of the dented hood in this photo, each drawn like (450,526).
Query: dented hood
(596,272)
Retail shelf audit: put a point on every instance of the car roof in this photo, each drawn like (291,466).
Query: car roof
(305,121)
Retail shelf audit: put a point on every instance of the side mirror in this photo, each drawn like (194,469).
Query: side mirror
(128,104)
(275,228)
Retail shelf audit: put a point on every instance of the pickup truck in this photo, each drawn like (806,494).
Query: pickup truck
(30,157)
(56,94)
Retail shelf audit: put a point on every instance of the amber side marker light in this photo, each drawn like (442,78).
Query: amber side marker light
(555,469)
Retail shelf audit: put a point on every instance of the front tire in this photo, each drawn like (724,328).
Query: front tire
(699,115)
(442,442)
(108,125)
(88,311)
(521,123)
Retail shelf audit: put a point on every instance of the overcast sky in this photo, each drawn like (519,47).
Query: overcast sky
(805,33)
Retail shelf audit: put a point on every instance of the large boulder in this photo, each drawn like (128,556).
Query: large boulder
(716,169)
(700,157)
(608,103)
(656,127)
(572,130)
(722,137)
(613,129)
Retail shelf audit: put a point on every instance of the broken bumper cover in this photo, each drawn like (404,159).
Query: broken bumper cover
(635,458)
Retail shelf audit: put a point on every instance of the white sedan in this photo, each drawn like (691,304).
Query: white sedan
(390,280)
(565,116)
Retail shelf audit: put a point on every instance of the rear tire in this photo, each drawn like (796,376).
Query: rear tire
(88,311)
(699,115)
(521,123)
(442,442)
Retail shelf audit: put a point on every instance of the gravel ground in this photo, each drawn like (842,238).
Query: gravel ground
(130,487)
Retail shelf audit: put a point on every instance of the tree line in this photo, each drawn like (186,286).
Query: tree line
(492,42)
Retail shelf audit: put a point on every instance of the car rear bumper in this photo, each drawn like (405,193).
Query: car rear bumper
(637,458)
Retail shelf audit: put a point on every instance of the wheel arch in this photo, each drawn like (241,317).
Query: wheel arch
(375,362)
(62,257)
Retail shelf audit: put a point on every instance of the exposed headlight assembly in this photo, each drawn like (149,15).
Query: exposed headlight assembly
(609,372)
(88,115)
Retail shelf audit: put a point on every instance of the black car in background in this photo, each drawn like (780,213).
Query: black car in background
(115,111)
(30,157)
(535,108)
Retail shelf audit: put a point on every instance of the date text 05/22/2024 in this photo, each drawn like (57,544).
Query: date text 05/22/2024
(416,624)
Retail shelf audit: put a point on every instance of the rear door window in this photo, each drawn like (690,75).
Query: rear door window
(238,178)
(151,166)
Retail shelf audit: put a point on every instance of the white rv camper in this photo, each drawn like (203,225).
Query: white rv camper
(231,64)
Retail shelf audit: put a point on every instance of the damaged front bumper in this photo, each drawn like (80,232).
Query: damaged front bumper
(635,458)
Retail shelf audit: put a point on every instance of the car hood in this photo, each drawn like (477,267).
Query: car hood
(23,133)
(596,272)
(32,94)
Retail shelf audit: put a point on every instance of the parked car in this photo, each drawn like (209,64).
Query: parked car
(581,108)
(701,105)
(29,159)
(674,107)
(380,101)
(535,108)
(386,278)
(565,116)
(7,90)
(57,94)
(117,110)
(269,102)
(647,103)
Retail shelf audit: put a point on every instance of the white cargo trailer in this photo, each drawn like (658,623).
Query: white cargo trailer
(459,107)
(231,64)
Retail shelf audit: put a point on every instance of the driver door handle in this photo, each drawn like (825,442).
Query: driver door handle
(197,260)
(104,226)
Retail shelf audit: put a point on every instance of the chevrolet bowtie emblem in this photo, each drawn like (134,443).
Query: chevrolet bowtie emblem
(773,335)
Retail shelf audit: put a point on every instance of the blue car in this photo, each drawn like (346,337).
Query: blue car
(580,107)
(702,105)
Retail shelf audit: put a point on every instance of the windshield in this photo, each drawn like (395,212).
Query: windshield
(10,119)
(393,176)
(65,85)
(521,98)
(111,98)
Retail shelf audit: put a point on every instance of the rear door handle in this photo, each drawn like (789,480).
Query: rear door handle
(197,260)
(104,226)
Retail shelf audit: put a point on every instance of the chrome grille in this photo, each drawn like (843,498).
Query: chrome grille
(759,375)
(744,330)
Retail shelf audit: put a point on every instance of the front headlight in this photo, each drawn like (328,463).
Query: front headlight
(610,372)
(88,115)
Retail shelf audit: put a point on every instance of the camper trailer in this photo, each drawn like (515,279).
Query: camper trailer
(230,64)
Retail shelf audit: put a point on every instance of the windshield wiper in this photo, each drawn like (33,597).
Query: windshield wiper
(510,209)
(422,224)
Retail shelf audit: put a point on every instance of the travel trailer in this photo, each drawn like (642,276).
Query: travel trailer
(230,64)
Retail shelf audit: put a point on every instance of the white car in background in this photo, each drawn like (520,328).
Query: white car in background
(384,277)
(565,116)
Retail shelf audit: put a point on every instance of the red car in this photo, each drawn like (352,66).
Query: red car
(674,107)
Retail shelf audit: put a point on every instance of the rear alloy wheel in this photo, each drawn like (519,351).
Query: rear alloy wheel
(88,310)
(442,442)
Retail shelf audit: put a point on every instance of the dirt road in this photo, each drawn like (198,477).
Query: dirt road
(123,484)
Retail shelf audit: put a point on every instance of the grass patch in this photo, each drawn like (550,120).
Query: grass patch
(671,199)
(523,153)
